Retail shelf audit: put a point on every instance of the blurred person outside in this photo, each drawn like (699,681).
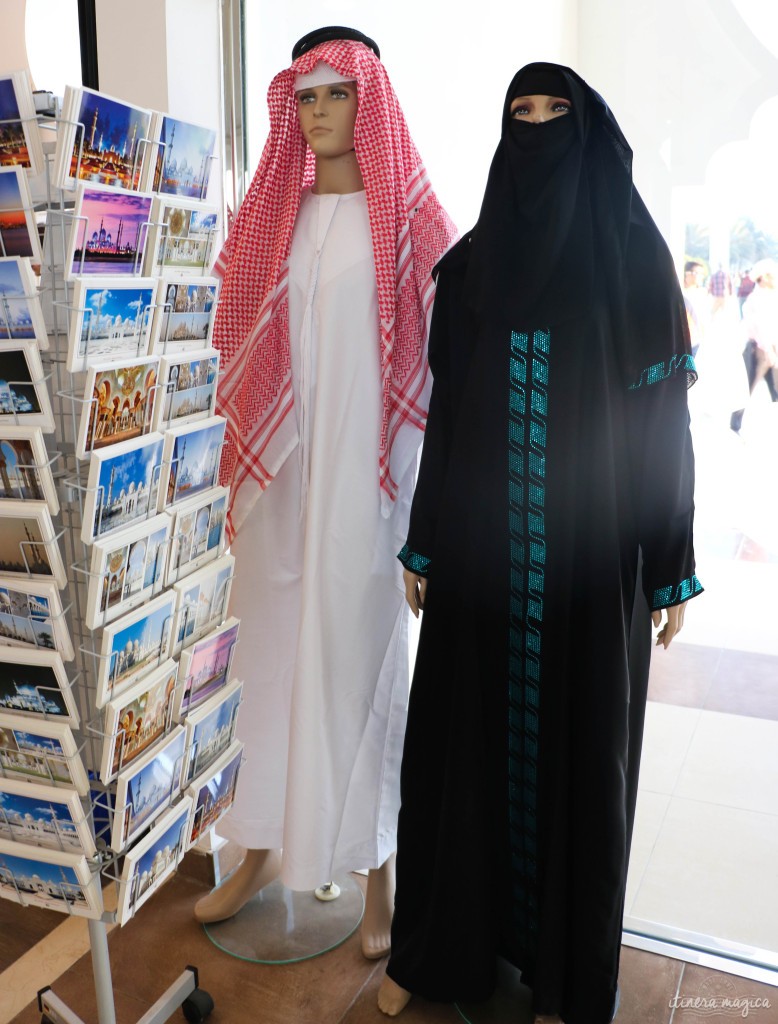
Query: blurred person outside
(744,289)
(720,287)
(695,299)
(760,323)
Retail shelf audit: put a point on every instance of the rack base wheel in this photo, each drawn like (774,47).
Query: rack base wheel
(197,1006)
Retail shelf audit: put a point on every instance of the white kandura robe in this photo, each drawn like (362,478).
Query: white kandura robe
(323,642)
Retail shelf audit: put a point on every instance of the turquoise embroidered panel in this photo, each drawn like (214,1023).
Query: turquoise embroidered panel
(666,596)
(527,432)
(413,561)
(667,368)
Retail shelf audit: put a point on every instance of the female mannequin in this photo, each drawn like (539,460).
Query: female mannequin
(557,457)
(322,327)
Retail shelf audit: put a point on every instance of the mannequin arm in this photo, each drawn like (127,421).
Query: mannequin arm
(415,591)
(673,625)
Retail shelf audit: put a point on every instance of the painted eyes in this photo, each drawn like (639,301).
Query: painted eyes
(336,93)
(522,110)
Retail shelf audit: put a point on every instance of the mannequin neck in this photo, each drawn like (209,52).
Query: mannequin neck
(338,174)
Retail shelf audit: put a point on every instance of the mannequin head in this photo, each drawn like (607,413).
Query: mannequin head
(540,94)
(327,115)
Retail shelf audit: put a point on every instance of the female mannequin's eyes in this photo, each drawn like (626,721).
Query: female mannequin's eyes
(562,107)
(339,94)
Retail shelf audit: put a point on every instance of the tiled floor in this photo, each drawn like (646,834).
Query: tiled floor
(341,987)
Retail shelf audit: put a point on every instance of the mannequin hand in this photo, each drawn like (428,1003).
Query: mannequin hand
(415,591)
(673,625)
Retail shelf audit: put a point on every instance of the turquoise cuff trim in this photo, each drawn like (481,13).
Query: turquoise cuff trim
(667,368)
(665,597)
(414,562)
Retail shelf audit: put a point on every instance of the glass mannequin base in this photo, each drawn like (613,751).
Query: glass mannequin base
(279,926)
(510,1004)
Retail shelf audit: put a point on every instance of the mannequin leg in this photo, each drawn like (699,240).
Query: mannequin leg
(379,907)
(392,999)
(257,869)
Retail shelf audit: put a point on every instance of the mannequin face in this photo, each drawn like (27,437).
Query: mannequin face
(327,115)
(538,109)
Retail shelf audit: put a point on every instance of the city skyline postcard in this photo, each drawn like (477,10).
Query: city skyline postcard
(113,321)
(112,148)
(13,143)
(17,222)
(113,237)
(144,790)
(15,310)
(134,645)
(123,485)
(184,158)
(194,458)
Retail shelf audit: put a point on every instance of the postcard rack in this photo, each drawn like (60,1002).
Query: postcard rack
(96,797)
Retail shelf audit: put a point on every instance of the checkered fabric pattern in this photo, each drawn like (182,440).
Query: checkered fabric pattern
(410,232)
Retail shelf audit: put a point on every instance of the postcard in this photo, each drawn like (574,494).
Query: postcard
(42,815)
(124,484)
(202,600)
(41,750)
(119,404)
(108,151)
(147,788)
(111,319)
(191,459)
(153,859)
(51,879)
(184,237)
(184,158)
(136,720)
(109,232)
(198,533)
(28,546)
(24,396)
(187,388)
(17,220)
(21,316)
(184,315)
(127,569)
(21,140)
(213,793)
(31,616)
(25,467)
(134,645)
(205,667)
(35,683)
(211,729)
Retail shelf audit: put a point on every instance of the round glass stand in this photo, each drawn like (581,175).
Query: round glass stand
(279,926)
(510,1004)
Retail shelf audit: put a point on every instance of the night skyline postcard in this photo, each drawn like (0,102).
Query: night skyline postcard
(113,238)
(13,144)
(114,320)
(41,822)
(184,161)
(15,314)
(18,477)
(31,689)
(13,216)
(17,388)
(195,458)
(127,485)
(112,141)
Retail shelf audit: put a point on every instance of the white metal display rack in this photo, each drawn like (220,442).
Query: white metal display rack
(97,806)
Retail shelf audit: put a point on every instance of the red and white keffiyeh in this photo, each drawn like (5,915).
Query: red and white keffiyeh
(410,232)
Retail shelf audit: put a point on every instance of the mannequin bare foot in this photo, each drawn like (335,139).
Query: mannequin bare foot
(392,999)
(257,869)
(379,907)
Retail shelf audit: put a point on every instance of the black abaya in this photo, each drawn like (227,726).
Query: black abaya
(554,464)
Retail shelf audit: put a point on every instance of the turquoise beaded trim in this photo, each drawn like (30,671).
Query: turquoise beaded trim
(527,427)
(413,561)
(661,371)
(664,597)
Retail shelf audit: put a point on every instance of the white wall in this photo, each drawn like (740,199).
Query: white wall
(450,67)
